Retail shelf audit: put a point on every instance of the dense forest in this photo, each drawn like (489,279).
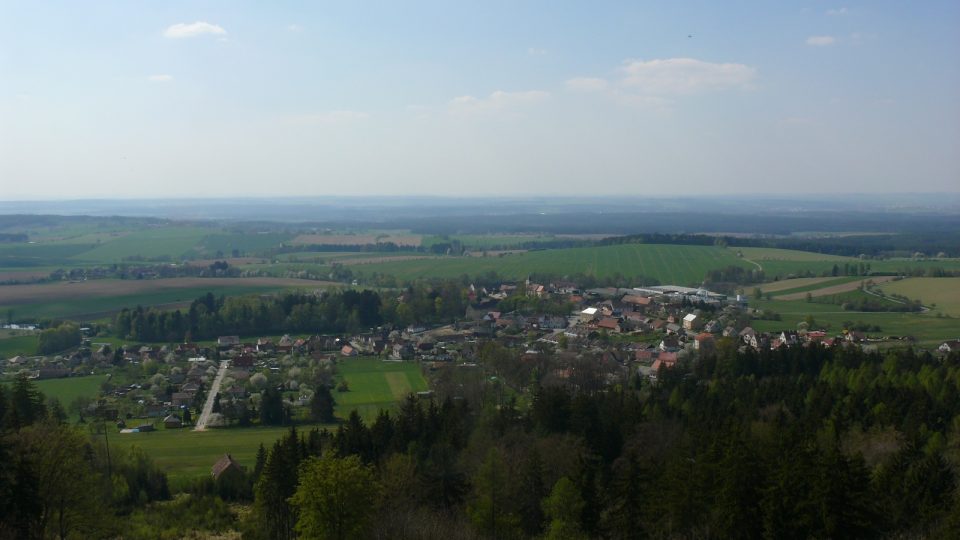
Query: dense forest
(803,442)
(330,312)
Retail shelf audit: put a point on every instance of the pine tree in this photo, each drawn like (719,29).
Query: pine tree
(26,404)
(260,462)
(272,514)
(530,492)
(321,405)
(488,510)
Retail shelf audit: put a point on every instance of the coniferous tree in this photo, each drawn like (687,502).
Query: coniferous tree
(488,510)
(530,492)
(321,405)
(273,518)
(26,404)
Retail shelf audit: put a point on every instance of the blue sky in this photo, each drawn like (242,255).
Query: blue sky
(196,99)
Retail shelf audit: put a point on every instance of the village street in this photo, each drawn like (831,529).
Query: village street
(211,396)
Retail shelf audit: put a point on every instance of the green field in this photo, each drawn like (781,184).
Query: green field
(941,294)
(375,384)
(783,263)
(682,265)
(68,389)
(19,256)
(487,241)
(183,453)
(88,307)
(11,346)
(243,242)
(83,246)
(762,255)
(172,242)
(928,329)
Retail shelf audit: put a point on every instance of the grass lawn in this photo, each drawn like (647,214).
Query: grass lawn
(944,292)
(375,384)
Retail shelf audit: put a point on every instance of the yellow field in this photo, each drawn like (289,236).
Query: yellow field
(940,294)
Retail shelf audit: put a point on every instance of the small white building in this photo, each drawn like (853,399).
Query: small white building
(589,314)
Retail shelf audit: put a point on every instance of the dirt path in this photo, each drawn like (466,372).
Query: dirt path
(211,396)
(755,263)
(836,289)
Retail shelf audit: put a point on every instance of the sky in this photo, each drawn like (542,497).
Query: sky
(134,99)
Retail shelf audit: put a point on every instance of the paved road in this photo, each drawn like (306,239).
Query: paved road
(211,395)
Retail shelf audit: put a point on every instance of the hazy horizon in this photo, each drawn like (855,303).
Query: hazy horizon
(209,100)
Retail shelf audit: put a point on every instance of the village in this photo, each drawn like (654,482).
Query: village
(631,333)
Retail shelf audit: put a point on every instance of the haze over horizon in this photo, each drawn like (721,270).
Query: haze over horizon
(218,99)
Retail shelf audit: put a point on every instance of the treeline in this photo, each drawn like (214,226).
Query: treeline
(120,271)
(803,442)
(59,338)
(13,238)
(855,302)
(872,245)
(332,312)
(56,481)
(734,275)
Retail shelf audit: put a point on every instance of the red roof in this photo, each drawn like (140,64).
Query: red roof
(609,323)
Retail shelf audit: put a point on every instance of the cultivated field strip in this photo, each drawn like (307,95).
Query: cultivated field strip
(834,289)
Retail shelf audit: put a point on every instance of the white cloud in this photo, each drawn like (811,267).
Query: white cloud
(683,76)
(820,41)
(586,84)
(534,51)
(840,11)
(184,30)
(497,101)
(294,28)
(161,78)
(327,118)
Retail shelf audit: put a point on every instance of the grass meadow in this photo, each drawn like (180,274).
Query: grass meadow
(941,294)
(375,384)
(25,345)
